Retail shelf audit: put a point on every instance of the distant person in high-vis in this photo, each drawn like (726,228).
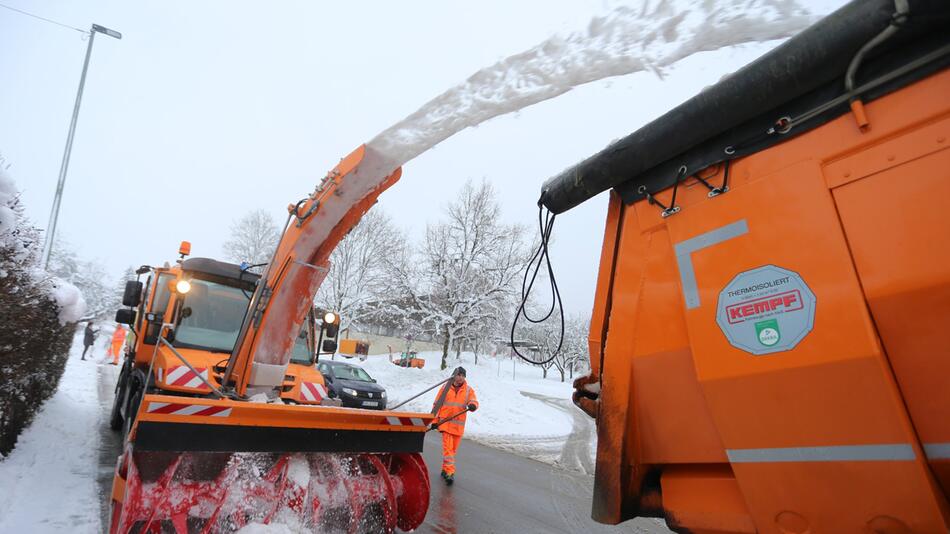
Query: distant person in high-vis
(118,339)
(458,401)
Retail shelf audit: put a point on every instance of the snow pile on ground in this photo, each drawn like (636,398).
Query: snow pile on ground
(649,38)
(49,480)
(506,418)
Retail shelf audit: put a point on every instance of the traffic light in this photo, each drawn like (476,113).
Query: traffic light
(331,324)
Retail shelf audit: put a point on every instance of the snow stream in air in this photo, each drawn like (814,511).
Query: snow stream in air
(628,39)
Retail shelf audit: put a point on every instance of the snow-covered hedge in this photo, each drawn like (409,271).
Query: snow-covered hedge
(38,315)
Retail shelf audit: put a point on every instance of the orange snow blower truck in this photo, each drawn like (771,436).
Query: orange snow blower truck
(769,341)
(225,418)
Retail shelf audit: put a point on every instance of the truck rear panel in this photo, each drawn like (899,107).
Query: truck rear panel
(775,358)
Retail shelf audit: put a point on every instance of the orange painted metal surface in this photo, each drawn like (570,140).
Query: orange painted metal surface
(283,415)
(845,427)
(353,348)
(300,263)
(295,381)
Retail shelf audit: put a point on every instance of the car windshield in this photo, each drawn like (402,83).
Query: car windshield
(347,372)
(211,316)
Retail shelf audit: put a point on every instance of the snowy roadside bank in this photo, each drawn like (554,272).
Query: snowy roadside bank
(513,416)
(49,479)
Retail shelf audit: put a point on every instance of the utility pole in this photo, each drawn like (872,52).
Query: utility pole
(58,198)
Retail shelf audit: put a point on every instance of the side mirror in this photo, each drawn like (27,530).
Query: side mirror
(329,346)
(132,295)
(125,316)
(328,378)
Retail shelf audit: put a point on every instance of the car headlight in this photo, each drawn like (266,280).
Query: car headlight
(382,395)
(348,391)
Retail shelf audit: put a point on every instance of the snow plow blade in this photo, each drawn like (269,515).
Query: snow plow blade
(217,465)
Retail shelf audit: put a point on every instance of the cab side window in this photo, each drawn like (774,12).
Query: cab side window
(162,294)
(140,316)
(157,306)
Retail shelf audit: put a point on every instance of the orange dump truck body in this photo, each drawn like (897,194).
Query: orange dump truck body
(774,358)
(354,348)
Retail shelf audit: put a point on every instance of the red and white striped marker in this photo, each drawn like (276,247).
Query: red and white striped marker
(404,421)
(182,376)
(174,408)
(312,392)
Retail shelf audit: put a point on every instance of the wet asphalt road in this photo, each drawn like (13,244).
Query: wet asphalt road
(494,492)
(499,492)
(110,443)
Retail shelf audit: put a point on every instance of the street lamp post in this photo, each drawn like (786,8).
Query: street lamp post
(57,199)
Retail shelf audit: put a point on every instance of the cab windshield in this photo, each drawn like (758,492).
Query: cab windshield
(211,316)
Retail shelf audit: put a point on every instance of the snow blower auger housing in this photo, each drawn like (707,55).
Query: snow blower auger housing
(227,421)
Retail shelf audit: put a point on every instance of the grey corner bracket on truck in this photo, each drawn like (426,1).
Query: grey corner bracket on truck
(731,118)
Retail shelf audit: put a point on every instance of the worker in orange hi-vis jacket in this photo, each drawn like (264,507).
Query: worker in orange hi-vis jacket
(118,339)
(458,399)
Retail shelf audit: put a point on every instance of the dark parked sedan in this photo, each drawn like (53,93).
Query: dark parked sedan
(352,385)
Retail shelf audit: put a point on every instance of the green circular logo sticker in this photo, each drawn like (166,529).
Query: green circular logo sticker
(768,332)
(766,310)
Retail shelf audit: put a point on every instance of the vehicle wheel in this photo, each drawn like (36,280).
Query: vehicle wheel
(115,418)
(135,399)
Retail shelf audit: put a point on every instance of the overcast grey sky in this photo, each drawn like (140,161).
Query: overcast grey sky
(206,110)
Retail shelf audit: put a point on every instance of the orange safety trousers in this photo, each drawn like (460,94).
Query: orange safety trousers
(118,339)
(450,444)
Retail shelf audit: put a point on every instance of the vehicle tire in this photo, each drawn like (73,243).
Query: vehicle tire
(135,399)
(115,418)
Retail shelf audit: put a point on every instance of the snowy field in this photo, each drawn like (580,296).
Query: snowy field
(512,415)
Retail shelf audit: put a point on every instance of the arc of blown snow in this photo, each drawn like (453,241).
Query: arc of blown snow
(623,42)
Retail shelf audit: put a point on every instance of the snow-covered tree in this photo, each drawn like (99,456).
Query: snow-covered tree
(89,276)
(359,273)
(37,319)
(575,348)
(119,289)
(546,335)
(481,334)
(253,238)
(544,338)
(464,274)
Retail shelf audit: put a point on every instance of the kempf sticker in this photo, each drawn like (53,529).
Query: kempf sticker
(766,310)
